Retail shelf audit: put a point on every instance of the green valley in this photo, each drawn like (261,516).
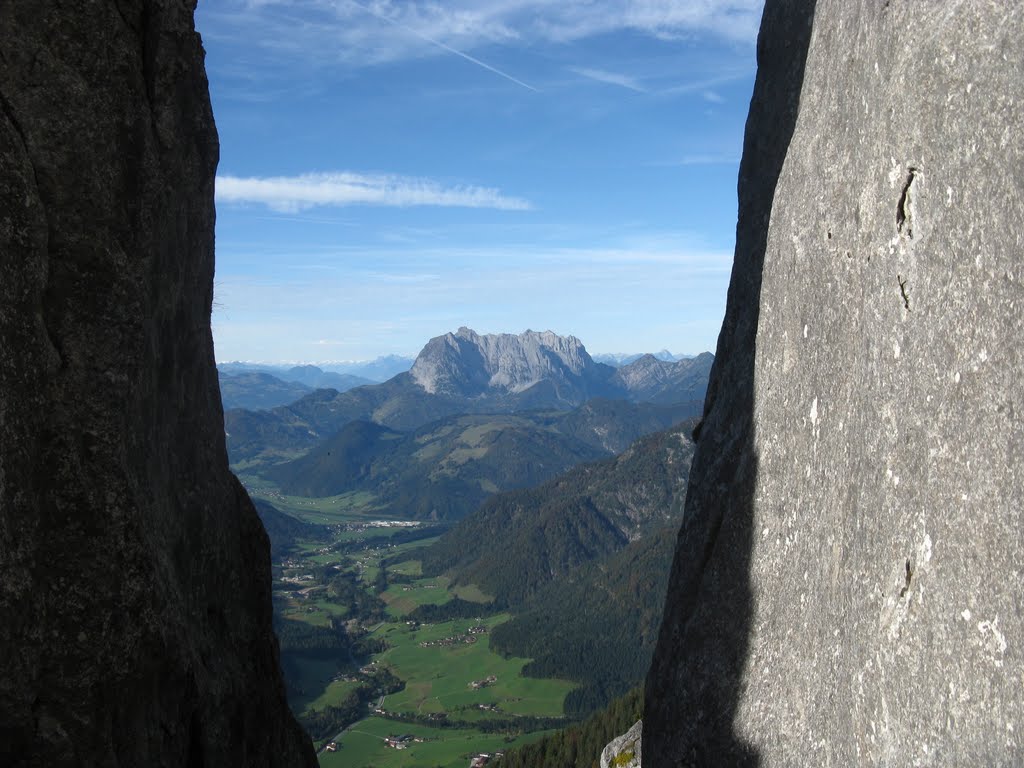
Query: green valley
(359,668)
(535,611)
(471,557)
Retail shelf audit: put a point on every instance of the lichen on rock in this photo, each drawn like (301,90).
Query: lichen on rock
(624,751)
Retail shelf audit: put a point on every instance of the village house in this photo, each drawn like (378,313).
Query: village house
(489,680)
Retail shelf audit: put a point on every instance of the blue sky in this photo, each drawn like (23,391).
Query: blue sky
(393,170)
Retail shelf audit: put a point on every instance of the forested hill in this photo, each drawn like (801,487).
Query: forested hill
(283,530)
(580,746)
(518,542)
(597,625)
(446,469)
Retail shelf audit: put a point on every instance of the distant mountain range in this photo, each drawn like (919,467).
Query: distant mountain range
(260,386)
(256,388)
(465,372)
(618,359)
(323,374)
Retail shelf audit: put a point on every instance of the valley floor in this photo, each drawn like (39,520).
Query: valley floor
(362,666)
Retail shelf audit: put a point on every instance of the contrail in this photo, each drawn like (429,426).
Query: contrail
(441,45)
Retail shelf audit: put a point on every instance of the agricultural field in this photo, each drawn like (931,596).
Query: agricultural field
(441,662)
(403,598)
(363,745)
(376,670)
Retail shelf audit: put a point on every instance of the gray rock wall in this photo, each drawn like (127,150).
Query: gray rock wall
(848,583)
(134,574)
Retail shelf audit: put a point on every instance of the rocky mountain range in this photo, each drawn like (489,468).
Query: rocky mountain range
(468,364)
(559,368)
(466,372)
(650,379)
(618,359)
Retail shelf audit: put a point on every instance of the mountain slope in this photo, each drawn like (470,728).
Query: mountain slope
(446,469)
(258,391)
(597,624)
(518,542)
(283,530)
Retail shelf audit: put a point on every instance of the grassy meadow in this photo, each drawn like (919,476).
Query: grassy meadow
(363,746)
(437,662)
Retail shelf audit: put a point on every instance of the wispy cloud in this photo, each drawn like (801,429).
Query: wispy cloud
(705,84)
(733,20)
(290,194)
(443,46)
(610,78)
(369,32)
(704,159)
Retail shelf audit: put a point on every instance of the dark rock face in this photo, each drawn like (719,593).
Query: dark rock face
(134,575)
(848,580)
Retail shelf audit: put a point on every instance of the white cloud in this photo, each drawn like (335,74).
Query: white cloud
(611,78)
(290,194)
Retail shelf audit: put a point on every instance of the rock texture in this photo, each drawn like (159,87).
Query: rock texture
(558,370)
(468,364)
(134,573)
(625,750)
(848,579)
